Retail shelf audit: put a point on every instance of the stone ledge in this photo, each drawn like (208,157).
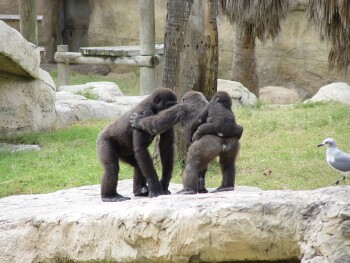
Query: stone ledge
(247,224)
(17,56)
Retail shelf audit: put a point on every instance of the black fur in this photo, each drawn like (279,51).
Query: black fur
(202,151)
(119,141)
(217,118)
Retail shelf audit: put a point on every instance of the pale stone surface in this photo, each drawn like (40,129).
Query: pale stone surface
(338,92)
(17,56)
(27,92)
(246,224)
(104,91)
(26,104)
(240,95)
(5,147)
(71,108)
(279,95)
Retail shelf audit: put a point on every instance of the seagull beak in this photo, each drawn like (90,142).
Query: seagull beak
(321,144)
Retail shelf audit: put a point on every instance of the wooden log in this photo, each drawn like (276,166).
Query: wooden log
(148,78)
(118,51)
(28,23)
(62,67)
(78,58)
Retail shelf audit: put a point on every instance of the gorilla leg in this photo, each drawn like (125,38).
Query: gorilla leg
(166,149)
(139,181)
(141,140)
(109,159)
(201,182)
(228,158)
(197,162)
(140,187)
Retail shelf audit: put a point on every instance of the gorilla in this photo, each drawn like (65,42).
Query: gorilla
(187,114)
(119,141)
(217,118)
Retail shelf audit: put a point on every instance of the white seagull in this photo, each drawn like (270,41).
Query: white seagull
(338,160)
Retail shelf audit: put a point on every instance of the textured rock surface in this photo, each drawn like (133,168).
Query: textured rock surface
(26,104)
(279,95)
(248,224)
(17,56)
(338,92)
(104,91)
(27,92)
(5,147)
(240,95)
(71,108)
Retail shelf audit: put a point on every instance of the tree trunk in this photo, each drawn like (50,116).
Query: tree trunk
(28,23)
(148,79)
(191,52)
(244,62)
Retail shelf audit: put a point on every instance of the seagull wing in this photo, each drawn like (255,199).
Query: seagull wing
(341,161)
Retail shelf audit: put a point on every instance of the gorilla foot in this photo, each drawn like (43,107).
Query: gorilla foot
(142,192)
(117,198)
(155,189)
(155,193)
(224,189)
(186,192)
(167,192)
(203,191)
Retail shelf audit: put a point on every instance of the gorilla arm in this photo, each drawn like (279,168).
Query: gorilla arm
(212,128)
(159,123)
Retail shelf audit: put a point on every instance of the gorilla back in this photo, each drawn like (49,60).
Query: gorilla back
(119,141)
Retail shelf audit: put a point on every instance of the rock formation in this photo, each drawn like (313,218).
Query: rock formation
(109,103)
(279,95)
(247,224)
(104,91)
(27,101)
(336,92)
(240,95)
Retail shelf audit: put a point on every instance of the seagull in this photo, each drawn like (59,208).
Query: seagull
(338,160)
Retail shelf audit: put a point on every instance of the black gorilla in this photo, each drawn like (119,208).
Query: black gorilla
(217,118)
(119,141)
(202,151)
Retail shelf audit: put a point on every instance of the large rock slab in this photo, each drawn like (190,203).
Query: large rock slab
(71,108)
(17,55)
(247,224)
(27,100)
(279,95)
(240,95)
(337,92)
(104,91)
(26,105)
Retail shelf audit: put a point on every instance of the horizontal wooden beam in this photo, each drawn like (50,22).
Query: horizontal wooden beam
(18,17)
(78,58)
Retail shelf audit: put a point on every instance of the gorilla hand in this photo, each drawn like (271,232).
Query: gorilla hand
(136,117)
(196,136)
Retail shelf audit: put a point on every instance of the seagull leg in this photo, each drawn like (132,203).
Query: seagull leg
(341,179)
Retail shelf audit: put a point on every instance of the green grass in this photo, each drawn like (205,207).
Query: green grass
(128,83)
(282,140)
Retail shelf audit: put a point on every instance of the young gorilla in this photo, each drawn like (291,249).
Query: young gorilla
(119,141)
(186,113)
(217,118)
